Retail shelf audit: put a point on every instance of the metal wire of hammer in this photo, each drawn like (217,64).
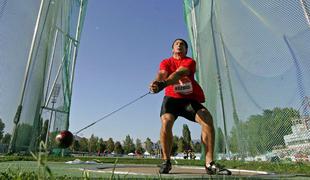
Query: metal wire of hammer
(107,115)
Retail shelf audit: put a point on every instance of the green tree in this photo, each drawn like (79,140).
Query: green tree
(220,141)
(175,145)
(83,144)
(149,145)
(102,145)
(118,149)
(157,148)
(233,140)
(187,137)
(282,122)
(139,148)
(260,133)
(2,126)
(181,144)
(92,143)
(197,147)
(6,139)
(129,146)
(110,145)
(76,145)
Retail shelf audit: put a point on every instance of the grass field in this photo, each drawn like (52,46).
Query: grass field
(58,169)
(11,167)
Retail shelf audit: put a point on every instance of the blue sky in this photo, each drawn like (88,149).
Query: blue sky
(121,47)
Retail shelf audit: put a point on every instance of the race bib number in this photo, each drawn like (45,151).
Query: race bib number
(184,86)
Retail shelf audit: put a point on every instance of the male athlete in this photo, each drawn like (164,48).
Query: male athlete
(183,97)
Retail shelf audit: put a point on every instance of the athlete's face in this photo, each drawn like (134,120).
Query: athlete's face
(179,47)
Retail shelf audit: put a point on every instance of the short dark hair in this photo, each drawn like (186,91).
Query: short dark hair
(186,45)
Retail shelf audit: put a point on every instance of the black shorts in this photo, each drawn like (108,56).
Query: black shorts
(186,108)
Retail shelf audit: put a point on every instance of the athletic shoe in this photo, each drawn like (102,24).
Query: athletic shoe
(216,169)
(165,167)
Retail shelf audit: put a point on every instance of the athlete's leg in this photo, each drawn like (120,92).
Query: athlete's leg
(204,118)
(166,136)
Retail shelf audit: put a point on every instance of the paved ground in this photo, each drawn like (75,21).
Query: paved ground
(186,172)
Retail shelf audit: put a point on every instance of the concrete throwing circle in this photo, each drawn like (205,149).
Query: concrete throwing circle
(176,172)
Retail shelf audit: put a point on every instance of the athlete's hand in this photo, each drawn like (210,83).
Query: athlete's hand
(157,86)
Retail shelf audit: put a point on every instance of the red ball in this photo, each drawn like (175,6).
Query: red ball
(64,139)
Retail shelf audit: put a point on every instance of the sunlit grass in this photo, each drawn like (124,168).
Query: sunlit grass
(41,166)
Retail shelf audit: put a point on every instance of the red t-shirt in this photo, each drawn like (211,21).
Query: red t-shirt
(187,87)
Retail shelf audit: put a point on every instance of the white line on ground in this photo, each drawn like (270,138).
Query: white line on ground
(233,170)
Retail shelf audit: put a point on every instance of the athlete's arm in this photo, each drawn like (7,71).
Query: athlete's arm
(162,79)
(177,75)
(161,76)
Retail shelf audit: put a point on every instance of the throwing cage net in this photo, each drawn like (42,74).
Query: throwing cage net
(39,40)
(253,63)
